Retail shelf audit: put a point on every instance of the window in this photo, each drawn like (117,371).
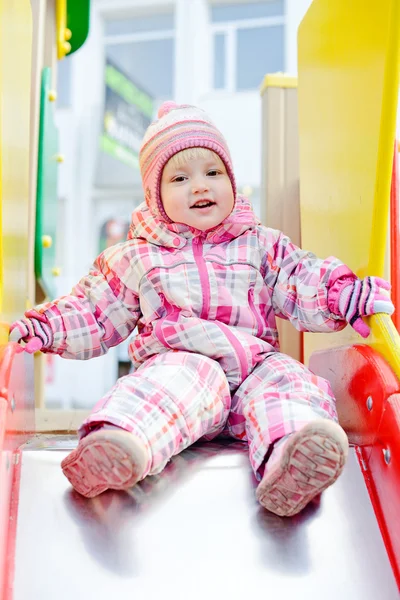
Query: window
(148,63)
(144,49)
(64,82)
(219,61)
(248,43)
(252,10)
(161,22)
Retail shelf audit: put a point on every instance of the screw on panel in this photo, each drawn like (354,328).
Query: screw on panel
(387,455)
(369,402)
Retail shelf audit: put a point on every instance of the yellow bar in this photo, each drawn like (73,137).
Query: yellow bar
(63,46)
(385,339)
(1,223)
(376,264)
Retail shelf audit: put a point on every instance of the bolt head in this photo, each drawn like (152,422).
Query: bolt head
(387,455)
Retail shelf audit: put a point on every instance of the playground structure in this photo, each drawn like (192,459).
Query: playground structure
(53,543)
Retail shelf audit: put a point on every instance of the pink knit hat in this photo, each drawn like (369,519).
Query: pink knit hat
(178,127)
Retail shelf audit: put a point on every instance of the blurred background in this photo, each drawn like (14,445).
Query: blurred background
(211,53)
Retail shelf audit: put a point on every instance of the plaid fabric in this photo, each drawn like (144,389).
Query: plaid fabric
(170,402)
(278,398)
(221,302)
(177,398)
(100,312)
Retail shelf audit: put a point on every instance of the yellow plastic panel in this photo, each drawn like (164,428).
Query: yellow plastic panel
(348,85)
(280,80)
(15,83)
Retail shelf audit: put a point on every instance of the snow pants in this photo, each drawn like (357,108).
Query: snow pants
(177,398)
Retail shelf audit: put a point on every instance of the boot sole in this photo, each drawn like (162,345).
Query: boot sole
(105,460)
(312,460)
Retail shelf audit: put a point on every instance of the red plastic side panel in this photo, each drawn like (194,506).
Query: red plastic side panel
(17,422)
(383,465)
(5,493)
(368,400)
(361,381)
(17,388)
(7,548)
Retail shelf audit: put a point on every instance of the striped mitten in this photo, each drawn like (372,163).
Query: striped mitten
(364,297)
(35,333)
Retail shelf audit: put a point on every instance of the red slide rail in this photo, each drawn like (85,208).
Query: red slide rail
(395,238)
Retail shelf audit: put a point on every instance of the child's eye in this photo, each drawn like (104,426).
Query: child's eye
(213,172)
(178,179)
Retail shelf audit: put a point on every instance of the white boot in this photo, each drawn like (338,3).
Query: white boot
(110,458)
(302,467)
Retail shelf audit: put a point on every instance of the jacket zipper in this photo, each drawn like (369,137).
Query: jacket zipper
(204,280)
(237,346)
(260,325)
(205,286)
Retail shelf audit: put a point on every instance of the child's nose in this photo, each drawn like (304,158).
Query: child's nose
(200,185)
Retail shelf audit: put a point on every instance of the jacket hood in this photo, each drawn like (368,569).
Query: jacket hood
(175,235)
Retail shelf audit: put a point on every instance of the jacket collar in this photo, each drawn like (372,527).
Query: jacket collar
(176,235)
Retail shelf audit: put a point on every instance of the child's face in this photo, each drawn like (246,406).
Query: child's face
(198,194)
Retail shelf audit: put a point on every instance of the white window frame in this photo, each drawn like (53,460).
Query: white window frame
(230,29)
(141,36)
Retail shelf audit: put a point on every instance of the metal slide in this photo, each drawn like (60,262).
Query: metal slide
(194,531)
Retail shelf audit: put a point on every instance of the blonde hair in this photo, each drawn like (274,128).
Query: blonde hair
(181,158)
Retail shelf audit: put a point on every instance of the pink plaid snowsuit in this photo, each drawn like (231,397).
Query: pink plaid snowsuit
(206,355)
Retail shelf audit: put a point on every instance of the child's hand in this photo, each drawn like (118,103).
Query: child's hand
(33,332)
(364,297)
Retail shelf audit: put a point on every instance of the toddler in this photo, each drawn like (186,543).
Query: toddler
(203,281)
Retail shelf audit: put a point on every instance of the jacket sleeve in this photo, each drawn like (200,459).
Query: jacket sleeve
(100,312)
(300,283)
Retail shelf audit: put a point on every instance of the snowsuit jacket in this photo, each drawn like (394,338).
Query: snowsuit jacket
(216,293)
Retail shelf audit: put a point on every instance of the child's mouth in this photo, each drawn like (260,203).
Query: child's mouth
(202,204)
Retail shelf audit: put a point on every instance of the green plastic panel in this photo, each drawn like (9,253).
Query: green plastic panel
(78,18)
(46,201)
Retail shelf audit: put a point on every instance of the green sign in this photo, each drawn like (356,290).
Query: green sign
(128,111)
